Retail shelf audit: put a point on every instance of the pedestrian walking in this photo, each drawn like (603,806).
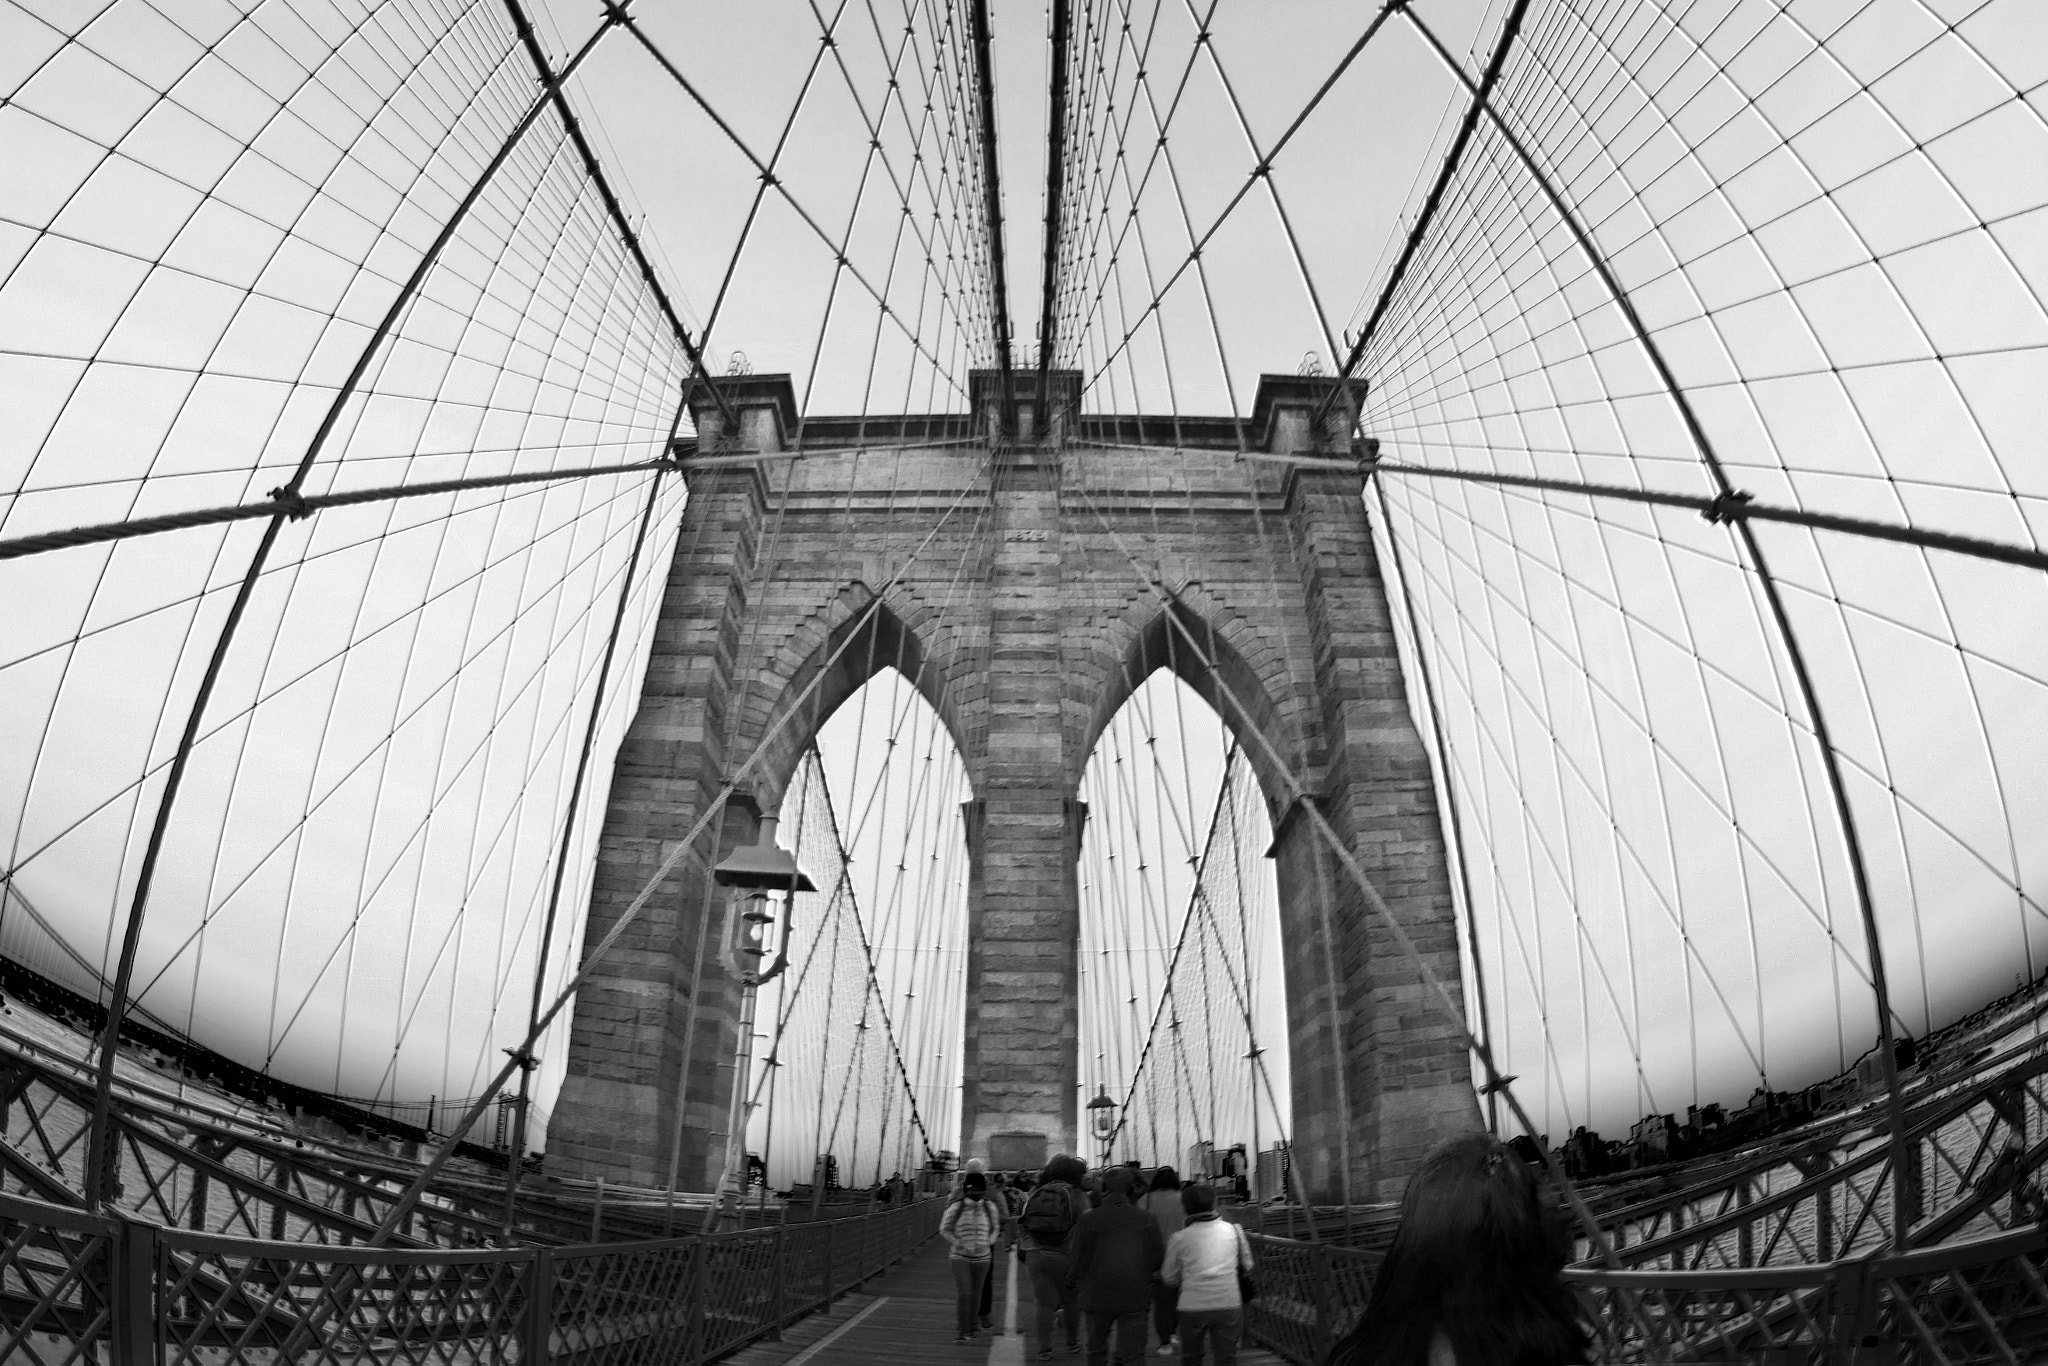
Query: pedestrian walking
(1203,1261)
(1044,1230)
(971,1226)
(1472,1277)
(1162,1202)
(1116,1251)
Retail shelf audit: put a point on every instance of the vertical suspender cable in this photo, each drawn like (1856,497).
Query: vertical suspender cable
(1509,27)
(1055,175)
(992,205)
(551,85)
(100,1147)
(1443,760)
(1728,496)
(525,1057)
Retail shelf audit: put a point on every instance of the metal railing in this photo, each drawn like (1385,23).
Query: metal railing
(76,1287)
(1310,1295)
(1975,1154)
(1985,1299)
(1981,1300)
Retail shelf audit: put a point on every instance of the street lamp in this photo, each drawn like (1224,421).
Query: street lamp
(750,874)
(1102,1119)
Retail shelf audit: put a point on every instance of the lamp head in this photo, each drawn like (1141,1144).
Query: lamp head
(1102,1113)
(764,864)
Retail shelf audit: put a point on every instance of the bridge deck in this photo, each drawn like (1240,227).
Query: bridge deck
(906,1315)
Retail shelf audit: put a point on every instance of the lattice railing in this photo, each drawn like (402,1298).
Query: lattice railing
(188,1166)
(1974,1158)
(58,1292)
(83,1288)
(1310,1294)
(1980,1300)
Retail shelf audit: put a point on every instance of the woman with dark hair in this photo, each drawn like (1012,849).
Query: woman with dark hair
(1162,1202)
(1472,1276)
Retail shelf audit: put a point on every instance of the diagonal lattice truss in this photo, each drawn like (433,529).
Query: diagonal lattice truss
(193,1162)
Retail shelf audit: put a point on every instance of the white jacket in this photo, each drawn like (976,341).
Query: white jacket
(1202,1259)
(970,1226)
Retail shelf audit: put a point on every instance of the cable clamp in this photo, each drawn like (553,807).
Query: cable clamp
(292,503)
(523,1056)
(1726,507)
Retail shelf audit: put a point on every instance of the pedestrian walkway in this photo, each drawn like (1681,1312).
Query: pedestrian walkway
(906,1315)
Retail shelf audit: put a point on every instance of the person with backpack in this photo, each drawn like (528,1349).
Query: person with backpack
(1115,1252)
(1043,1231)
(971,1226)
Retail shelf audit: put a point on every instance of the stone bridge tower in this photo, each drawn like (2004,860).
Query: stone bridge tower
(1024,623)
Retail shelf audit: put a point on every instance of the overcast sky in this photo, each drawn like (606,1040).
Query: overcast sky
(1829,219)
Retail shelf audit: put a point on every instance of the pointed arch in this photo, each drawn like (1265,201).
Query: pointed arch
(848,640)
(1239,656)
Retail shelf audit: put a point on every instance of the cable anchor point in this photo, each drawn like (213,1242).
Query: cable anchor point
(291,503)
(1728,506)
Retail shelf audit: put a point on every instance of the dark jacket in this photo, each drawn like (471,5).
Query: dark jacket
(1115,1248)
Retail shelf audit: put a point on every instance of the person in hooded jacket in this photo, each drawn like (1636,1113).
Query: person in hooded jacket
(1045,1229)
(1116,1250)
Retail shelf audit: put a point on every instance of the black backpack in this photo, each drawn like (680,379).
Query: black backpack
(1049,1214)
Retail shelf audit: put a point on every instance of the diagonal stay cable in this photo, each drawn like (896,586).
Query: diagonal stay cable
(1445,172)
(101,1151)
(552,84)
(838,248)
(405,1202)
(1154,581)
(1252,178)
(1788,638)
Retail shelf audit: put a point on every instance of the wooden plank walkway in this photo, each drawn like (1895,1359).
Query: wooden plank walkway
(906,1315)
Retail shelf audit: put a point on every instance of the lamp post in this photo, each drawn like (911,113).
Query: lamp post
(751,875)
(1102,1119)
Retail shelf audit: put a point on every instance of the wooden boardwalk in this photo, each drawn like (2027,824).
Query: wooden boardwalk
(906,1315)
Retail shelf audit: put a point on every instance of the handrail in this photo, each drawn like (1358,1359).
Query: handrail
(129,1290)
(1312,1293)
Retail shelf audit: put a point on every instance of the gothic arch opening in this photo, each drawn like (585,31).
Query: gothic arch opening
(866,1023)
(1183,1018)
(839,649)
